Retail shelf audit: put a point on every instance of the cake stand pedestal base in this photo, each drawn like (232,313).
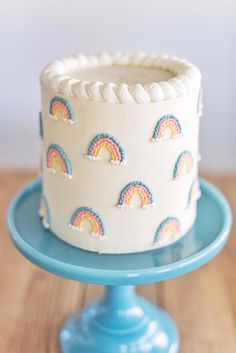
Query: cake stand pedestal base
(118,323)
(121,322)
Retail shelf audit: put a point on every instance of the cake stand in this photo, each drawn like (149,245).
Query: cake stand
(121,322)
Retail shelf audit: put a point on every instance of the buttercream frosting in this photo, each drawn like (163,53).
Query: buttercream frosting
(67,76)
(120,151)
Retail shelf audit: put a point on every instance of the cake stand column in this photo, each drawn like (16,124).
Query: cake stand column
(120,322)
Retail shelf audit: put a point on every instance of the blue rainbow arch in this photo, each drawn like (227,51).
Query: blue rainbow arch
(40,125)
(60,109)
(44,212)
(194,192)
(132,188)
(57,160)
(167,127)
(168,230)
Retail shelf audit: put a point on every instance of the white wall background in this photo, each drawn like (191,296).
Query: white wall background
(34,32)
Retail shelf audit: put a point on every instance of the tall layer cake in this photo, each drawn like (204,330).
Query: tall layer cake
(119,159)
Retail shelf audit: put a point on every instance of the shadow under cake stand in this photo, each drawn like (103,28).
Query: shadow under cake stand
(120,322)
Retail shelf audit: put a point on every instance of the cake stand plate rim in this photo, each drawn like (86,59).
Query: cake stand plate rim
(122,276)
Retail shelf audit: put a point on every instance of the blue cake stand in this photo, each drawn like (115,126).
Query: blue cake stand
(121,322)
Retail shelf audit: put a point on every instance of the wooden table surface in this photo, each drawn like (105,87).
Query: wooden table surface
(34,303)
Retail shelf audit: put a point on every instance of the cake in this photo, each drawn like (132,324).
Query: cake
(119,156)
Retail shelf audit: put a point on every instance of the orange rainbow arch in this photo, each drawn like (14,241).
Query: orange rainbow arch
(136,187)
(61,109)
(44,212)
(57,161)
(194,192)
(83,214)
(183,165)
(40,125)
(117,155)
(168,230)
(168,127)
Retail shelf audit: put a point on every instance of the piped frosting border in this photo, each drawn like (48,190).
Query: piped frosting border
(187,78)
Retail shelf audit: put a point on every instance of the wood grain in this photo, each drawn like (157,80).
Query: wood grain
(34,303)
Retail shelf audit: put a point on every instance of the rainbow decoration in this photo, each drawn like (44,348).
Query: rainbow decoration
(109,142)
(194,192)
(40,125)
(168,127)
(57,161)
(135,187)
(199,103)
(61,109)
(40,170)
(44,212)
(183,165)
(168,230)
(83,214)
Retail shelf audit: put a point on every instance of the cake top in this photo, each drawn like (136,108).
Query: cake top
(119,78)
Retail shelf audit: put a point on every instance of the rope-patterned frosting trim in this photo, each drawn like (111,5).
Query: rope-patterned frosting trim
(186,78)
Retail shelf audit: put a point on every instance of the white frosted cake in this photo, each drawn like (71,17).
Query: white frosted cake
(120,156)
